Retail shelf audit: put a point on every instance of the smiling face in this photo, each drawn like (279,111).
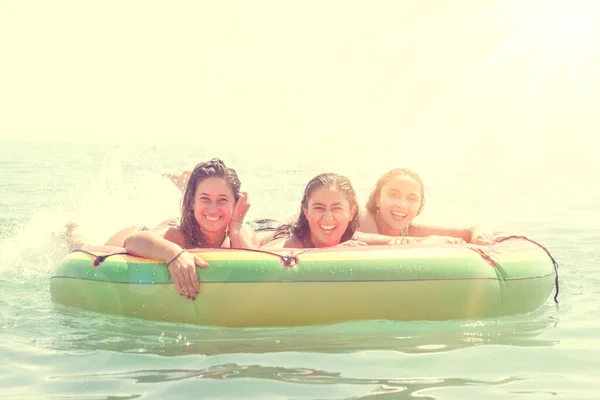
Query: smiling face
(328,213)
(213,205)
(398,204)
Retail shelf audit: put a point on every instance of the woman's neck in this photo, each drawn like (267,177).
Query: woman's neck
(384,229)
(309,243)
(213,239)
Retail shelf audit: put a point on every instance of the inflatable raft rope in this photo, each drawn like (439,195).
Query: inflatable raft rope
(248,287)
(292,260)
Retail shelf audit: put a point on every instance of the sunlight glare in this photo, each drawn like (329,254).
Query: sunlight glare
(566,21)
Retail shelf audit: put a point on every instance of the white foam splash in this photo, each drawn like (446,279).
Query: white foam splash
(107,204)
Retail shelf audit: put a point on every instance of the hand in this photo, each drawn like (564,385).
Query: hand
(435,239)
(239,212)
(183,272)
(403,240)
(351,243)
(454,240)
(483,238)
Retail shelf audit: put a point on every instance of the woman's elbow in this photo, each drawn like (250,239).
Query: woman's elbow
(131,241)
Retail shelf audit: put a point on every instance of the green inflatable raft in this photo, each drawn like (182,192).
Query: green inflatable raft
(243,288)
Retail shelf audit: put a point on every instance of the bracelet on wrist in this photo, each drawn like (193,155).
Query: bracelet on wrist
(176,257)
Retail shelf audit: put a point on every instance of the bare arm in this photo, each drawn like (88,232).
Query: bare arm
(168,245)
(243,236)
(372,239)
(367,223)
(424,233)
(465,233)
(375,239)
(156,245)
(240,234)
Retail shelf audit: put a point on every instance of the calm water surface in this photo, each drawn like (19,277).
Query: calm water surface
(54,352)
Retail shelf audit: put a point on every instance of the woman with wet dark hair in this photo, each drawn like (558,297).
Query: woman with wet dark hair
(328,216)
(212,214)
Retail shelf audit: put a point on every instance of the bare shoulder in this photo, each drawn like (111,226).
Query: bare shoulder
(174,234)
(367,222)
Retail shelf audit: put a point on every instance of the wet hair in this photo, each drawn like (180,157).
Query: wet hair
(385,178)
(301,228)
(214,168)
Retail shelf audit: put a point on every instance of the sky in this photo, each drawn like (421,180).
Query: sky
(383,76)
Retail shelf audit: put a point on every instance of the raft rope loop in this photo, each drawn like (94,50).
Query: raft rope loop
(505,238)
(287,261)
(98,260)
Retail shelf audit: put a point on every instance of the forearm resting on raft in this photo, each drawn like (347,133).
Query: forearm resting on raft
(152,246)
(375,239)
(372,239)
(469,234)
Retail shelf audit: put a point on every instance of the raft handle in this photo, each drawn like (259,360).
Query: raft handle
(289,261)
(505,238)
(98,259)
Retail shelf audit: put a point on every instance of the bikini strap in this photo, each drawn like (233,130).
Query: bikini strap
(405,231)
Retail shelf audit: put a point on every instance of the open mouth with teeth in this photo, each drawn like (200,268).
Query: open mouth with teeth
(398,216)
(212,219)
(328,228)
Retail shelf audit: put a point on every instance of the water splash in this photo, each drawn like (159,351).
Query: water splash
(118,196)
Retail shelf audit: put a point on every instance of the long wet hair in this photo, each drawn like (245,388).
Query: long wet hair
(301,228)
(385,178)
(214,168)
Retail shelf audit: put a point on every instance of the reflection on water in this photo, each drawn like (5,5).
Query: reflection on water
(382,388)
(83,330)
